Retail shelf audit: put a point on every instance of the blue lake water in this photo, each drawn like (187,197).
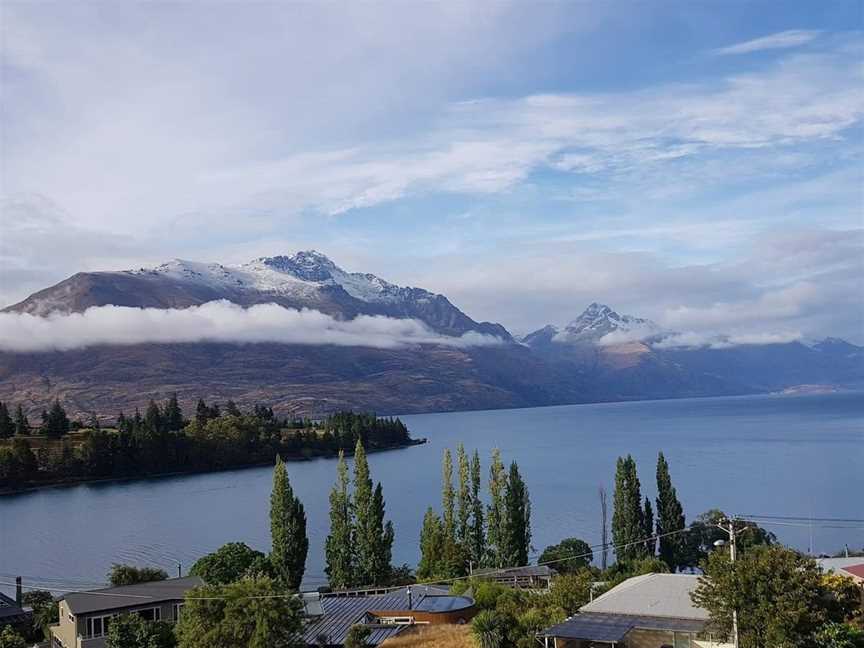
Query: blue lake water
(764,455)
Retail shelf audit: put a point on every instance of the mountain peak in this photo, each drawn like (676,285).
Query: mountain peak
(309,265)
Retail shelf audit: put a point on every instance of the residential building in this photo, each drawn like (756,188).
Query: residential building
(12,611)
(851,567)
(386,614)
(650,611)
(530,577)
(86,616)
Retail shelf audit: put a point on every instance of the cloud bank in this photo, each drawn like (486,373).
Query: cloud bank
(217,321)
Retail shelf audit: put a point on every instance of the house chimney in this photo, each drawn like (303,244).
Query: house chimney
(19,597)
(410,599)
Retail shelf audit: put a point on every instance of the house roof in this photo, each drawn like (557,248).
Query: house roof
(341,612)
(651,595)
(614,627)
(516,572)
(11,612)
(855,570)
(833,564)
(129,596)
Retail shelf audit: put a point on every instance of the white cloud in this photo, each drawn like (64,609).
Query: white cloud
(781,40)
(693,340)
(218,321)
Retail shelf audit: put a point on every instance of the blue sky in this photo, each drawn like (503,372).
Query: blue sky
(696,163)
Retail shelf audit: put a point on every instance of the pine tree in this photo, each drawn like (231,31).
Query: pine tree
(648,529)
(627,525)
(202,412)
(431,547)
(22,425)
(517,525)
(153,420)
(55,423)
(339,546)
(7,425)
(497,512)
(670,518)
(173,415)
(287,530)
(477,535)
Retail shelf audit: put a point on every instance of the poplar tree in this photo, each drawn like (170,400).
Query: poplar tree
(463,514)
(648,529)
(670,518)
(496,513)
(431,547)
(339,546)
(287,530)
(7,425)
(517,523)
(627,514)
(448,497)
(477,535)
(373,537)
(22,425)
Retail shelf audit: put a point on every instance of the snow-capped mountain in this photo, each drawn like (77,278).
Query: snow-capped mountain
(598,324)
(307,279)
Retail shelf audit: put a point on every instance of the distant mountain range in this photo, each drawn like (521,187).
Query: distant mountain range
(599,356)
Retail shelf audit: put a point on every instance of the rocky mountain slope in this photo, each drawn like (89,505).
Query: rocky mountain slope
(599,356)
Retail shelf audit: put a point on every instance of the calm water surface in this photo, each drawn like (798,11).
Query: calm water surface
(766,455)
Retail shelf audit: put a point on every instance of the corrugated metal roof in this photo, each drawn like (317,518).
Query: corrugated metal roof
(342,612)
(833,564)
(129,596)
(651,595)
(614,627)
(11,612)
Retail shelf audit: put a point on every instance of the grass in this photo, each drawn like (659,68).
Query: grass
(433,636)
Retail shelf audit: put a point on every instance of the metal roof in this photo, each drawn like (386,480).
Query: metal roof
(516,572)
(651,595)
(11,612)
(131,596)
(841,563)
(614,627)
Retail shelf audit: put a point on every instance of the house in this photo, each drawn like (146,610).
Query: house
(386,614)
(852,567)
(86,616)
(650,611)
(531,577)
(12,612)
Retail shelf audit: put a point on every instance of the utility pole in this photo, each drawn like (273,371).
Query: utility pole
(732,554)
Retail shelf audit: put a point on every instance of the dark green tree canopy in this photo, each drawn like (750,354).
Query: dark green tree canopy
(568,556)
(130,575)
(131,631)
(231,562)
(290,544)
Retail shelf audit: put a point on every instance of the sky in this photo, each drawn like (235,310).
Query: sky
(696,163)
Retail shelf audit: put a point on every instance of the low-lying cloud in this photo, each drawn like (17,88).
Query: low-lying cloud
(217,321)
(694,340)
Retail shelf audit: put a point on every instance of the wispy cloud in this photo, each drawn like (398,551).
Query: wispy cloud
(780,40)
(694,340)
(218,321)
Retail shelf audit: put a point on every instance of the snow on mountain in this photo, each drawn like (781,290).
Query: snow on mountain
(598,324)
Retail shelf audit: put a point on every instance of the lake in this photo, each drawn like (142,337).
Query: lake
(762,455)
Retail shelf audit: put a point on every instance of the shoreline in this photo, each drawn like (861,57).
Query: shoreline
(79,481)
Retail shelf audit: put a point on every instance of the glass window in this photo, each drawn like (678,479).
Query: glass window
(682,640)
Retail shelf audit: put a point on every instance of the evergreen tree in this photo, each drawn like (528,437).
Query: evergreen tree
(339,546)
(287,530)
(477,534)
(22,425)
(374,536)
(517,524)
(232,409)
(173,415)
(382,540)
(55,423)
(432,547)
(627,525)
(648,529)
(202,413)
(7,425)
(670,518)
(153,421)
(497,512)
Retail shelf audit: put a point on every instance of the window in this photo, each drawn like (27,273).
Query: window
(682,640)
(406,620)
(97,626)
(177,608)
(150,614)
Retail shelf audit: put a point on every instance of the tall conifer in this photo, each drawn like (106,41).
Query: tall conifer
(627,513)
(7,425)
(477,534)
(22,425)
(517,523)
(497,513)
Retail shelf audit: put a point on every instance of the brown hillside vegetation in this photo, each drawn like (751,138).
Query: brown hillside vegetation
(437,636)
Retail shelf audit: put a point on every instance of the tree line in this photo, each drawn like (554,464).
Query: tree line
(162,440)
